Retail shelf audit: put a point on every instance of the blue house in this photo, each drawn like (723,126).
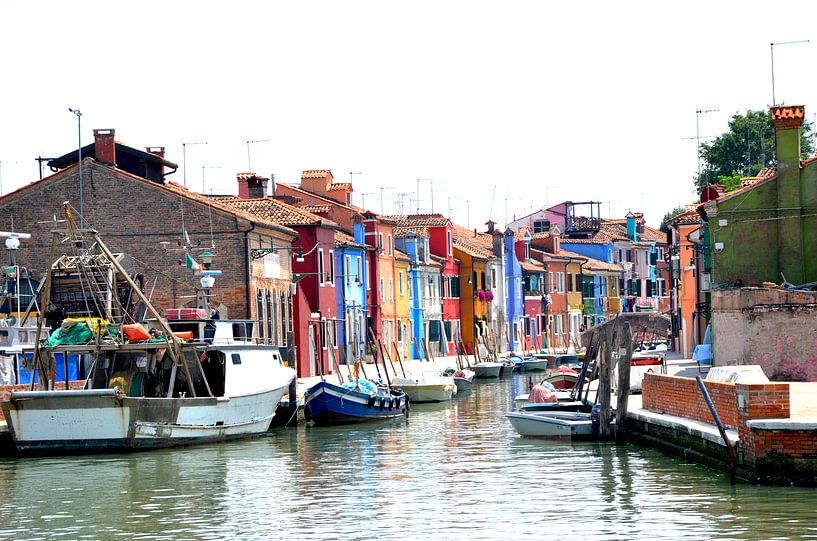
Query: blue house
(417,250)
(350,253)
(514,292)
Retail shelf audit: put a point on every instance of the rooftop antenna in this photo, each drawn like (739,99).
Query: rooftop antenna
(381,196)
(698,113)
(184,158)
(203,167)
(40,161)
(418,192)
(249,163)
(401,201)
(491,209)
(771,46)
(363,198)
(351,173)
(79,160)
(432,193)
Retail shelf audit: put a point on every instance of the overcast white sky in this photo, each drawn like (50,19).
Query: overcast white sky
(535,102)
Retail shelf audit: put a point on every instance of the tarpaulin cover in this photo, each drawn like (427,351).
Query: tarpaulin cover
(540,395)
(78,333)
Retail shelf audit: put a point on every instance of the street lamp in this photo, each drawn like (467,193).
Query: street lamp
(184,158)
(203,167)
(771,47)
(79,160)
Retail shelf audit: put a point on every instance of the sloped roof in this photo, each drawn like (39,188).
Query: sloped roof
(401,255)
(325,200)
(596,265)
(275,211)
(609,231)
(315,173)
(89,151)
(340,187)
(345,239)
(570,255)
(532,265)
(417,220)
(479,245)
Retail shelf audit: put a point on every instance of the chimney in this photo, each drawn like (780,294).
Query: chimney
(490,224)
(251,186)
(631,226)
(105,146)
(158,151)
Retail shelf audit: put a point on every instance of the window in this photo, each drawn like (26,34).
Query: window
(426,249)
(321,275)
(391,246)
(609,255)
(518,288)
(391,289)
(360,270)
(455,286)
(382,290)
(380,243)
(368,281)
(550,282)
(331,277)
(450,243)
(259,310)
(541,226)
(527,250)
(347,271)
(282,304)
(401,283)
(236,358)
(570,282)
(560,282)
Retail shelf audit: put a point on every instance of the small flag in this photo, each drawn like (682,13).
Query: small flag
(191,263)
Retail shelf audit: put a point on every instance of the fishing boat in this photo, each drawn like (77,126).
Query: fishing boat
(327,403)
(553,425)
(175,383)
(563,378)
(425,387)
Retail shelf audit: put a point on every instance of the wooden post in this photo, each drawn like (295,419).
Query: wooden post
(37,357)
(399,360)
(605,390)
(623,394)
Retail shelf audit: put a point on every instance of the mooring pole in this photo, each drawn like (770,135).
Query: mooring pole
(721,429)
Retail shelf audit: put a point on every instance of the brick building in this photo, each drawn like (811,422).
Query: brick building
(146,219)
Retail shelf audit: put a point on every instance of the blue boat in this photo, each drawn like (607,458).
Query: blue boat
(326,403)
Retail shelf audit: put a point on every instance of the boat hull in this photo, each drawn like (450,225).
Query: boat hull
(552,425)
(426,391)
(326,403)
(464,385)
(59,422)
(533,365)
(487,370)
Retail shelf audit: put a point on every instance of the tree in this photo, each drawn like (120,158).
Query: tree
(744,150)
(677,210)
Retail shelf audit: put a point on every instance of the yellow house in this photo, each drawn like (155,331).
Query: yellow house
(401,303)
(473,250)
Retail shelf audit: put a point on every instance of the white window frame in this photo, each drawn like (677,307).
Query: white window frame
(331,268)
(359,270)
(449,239)
(391,245)
(382,290)
(401,283)
(347,272)
(321,268)
(391,288)
(550,282)
(368,274)
(380,244)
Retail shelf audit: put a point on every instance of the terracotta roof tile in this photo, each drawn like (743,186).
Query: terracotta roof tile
(400,255)
(532,266)
(340,187)
(479,245)
(315,209)
(274,210)
(417,220)
(345,239)
(316,173)
(596,265)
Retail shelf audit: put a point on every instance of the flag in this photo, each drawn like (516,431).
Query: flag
(191,263)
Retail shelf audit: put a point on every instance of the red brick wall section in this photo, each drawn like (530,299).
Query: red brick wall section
(682,397)
(790,443)
(5,391)
(770,401)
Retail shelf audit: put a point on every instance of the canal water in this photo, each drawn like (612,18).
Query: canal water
(451,471)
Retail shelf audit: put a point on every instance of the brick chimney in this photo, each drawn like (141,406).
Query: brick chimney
(251,186)
(105,146)
(158,151)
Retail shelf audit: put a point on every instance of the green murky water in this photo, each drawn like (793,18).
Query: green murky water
(452,471)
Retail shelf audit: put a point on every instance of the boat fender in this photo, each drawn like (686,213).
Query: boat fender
(371,401)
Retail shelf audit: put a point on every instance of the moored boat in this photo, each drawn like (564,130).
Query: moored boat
(464,380)
(553,425)
(327,403)
(486,369)
(426,388)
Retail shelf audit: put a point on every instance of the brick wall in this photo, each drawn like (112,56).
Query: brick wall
(144,220)
(682,397)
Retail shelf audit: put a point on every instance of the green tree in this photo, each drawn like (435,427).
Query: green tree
(677,210)
(746,148)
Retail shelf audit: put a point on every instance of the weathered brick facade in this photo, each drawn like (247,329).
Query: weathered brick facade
(144,219)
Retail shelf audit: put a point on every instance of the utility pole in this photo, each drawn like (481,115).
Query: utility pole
(249,163)
(771,47)
(184,159)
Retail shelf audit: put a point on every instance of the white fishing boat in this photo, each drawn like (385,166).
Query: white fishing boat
(553,425)
(188,381)
(425,387)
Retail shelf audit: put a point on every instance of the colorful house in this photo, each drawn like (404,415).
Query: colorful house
(514,298)
(382,308)
(689,318)
(402,303)
(350,280)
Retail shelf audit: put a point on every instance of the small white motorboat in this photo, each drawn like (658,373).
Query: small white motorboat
(554,425)
(486,369)
(463,379)
(426,388)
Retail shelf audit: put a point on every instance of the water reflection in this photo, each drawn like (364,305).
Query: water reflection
(452,471)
